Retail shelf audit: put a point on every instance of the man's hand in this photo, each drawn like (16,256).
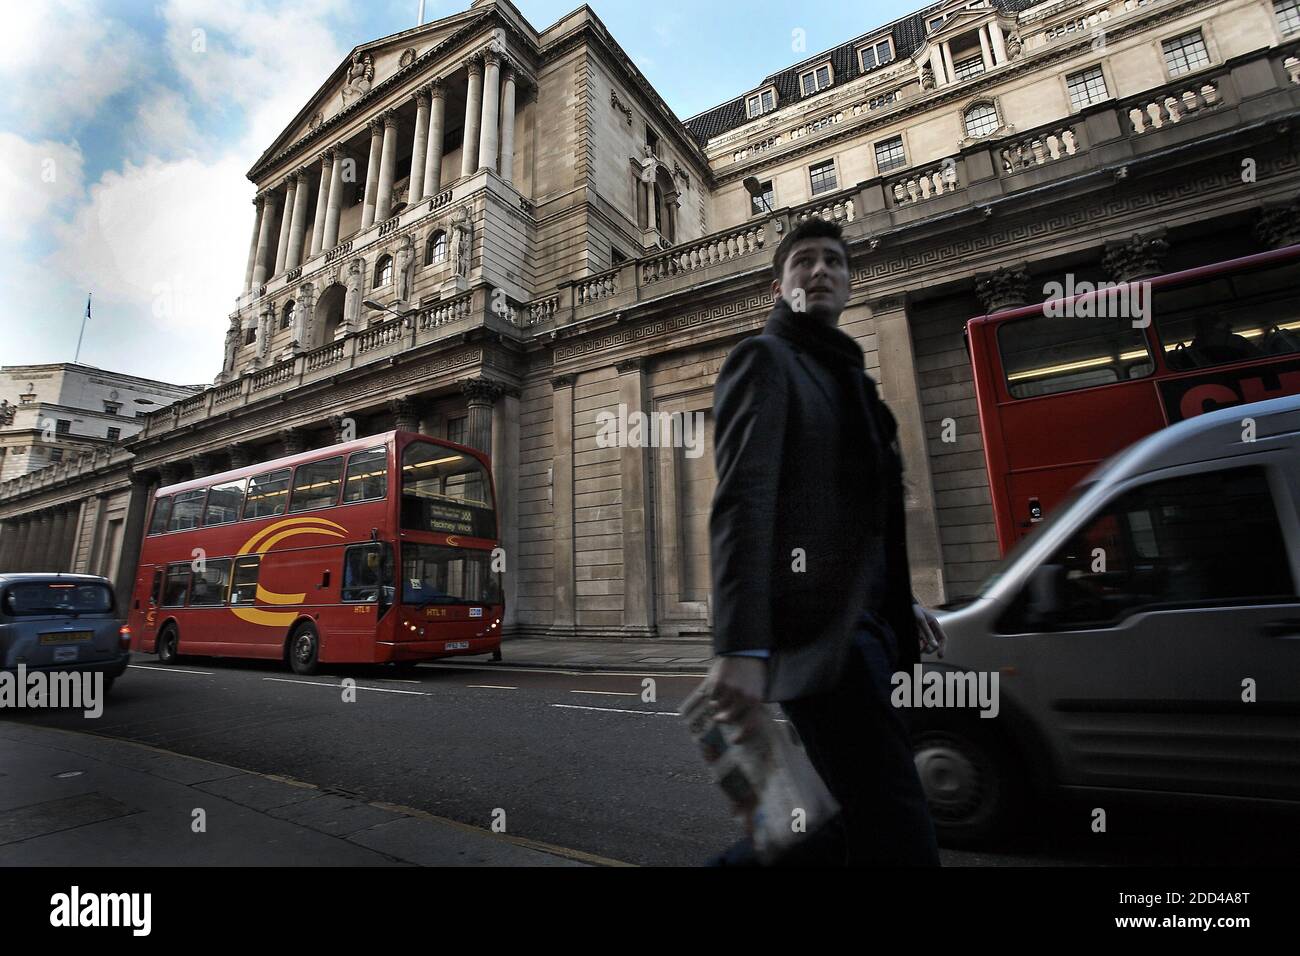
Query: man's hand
(735,685)
(928,632)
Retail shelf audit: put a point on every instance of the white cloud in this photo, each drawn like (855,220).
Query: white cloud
(162,125)
(37,181)
(60,60)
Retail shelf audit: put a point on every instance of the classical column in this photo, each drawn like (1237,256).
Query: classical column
(1278,224)
(505,475)
(999,45)
(480,393)
(936,66)
(948,66)
(900,388)
(419,146)
(53,544)
(634,471)
(240,455)
(406,414)
(1003,289)
(96,535)
(489,135)
(38,527)
(1137,257)
(66,556)
(563,616)
(322,202)
(437,130)
(387,168)
(201,465)
(508,126)
(298,230)
(295,442)
(168,474)
(335,207)
(282,249)
(137,507)
(473,116)
(258,202)
(985,51)
(9,532)
(372,171)
(264,238)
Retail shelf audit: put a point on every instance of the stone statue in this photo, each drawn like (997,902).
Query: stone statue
(1014,46)
(232,346)
(361,73)
(405,268)
(6,412)
(927,77)
(462,241)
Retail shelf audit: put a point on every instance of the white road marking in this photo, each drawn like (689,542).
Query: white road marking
(168,670)
(607,693)
(382,690)
(493,686)
(615,710)
(550,670)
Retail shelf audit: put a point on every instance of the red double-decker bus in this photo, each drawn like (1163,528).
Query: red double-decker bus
(1066,383)
(383,549)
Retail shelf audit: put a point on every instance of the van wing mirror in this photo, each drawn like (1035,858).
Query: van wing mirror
(1046,593)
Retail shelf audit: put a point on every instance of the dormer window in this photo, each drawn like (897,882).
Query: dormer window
(764,101)
(936,23)
(815,80)
(875,54)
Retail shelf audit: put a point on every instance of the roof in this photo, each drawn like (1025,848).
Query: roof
(908,34)
(13,577)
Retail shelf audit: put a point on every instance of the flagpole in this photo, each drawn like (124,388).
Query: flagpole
(83,328)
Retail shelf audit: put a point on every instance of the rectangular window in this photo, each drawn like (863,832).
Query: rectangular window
(815,80)
(965,69)
(225,502)
(889,155)
(1288,15)
(114,434)
(936,23)
(446,492)
(368,574)
(876,54)
(176,586)
(456,430)
(822,176)
(62,427)
(316,485)
(1043,355)
(56,454)
(1087,87)
(209,585)
(1186,53)
(367,477)
(187,511)
(763,203)
(267,494)
(760,103)
(433,575)
(112,408)
(155,594)
(162,509)
(243,580)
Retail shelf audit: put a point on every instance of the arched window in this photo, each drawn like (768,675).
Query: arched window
(286,317)
(981,119)
(384,271)
(436,250)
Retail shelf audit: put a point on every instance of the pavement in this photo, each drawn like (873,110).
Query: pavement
(77,799)
(672,657)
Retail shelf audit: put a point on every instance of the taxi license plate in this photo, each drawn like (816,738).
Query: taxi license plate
(63,655)
(456,646)
(67,637)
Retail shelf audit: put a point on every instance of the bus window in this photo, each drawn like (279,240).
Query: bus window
(243,582)
(187,510)
(1253,315)
(1043,355)
(209,588)
(445,491)
(437,575)
(155,593)
(267,494)
(368,574)
(367,477)
(176,585)
(316,485)
(162,509)
(225,501)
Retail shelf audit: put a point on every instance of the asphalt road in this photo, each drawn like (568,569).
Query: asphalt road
(578,760)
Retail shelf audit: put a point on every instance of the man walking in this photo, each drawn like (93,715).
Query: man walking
(812,599)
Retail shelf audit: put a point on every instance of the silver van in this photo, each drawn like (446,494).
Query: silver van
(62,622)
(1145,638)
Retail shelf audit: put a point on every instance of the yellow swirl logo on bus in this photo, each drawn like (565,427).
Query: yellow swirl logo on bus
(263,542)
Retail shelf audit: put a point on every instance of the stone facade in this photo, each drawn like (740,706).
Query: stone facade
(545,241)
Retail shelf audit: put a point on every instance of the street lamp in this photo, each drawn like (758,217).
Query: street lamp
(755,190)
(403,310)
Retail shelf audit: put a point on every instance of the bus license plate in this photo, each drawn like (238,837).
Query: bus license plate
(456,646)
(66,637)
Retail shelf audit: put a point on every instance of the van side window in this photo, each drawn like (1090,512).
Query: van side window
(1210,539)
(243,580)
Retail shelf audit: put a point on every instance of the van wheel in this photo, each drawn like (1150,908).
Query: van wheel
(970,781)
(304,650)
(169,642)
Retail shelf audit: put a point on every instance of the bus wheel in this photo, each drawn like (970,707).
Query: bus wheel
(969,781)
(304,650)
(169,643)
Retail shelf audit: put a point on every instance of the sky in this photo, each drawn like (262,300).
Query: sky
(128,128)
